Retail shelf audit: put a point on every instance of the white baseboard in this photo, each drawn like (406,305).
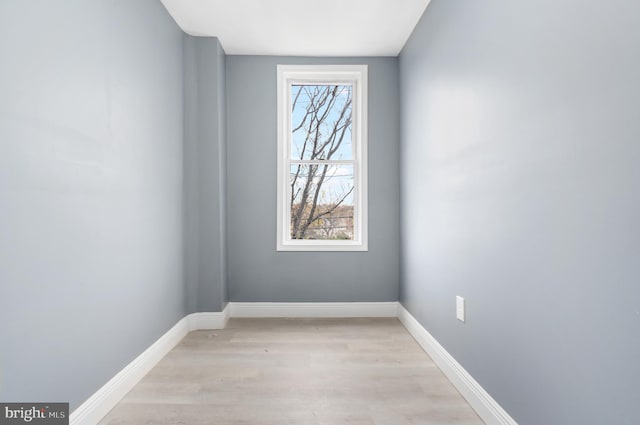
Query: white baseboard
(99,404)
(484,405)
(102,401)
(199,321)
(314,310)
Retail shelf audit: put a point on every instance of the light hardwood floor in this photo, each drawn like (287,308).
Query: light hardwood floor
(296,372)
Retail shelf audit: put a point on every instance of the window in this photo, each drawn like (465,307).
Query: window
(322,158)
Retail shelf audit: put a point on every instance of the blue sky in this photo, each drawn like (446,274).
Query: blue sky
(345,150)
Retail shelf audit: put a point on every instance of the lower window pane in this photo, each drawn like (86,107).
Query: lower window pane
(322,202)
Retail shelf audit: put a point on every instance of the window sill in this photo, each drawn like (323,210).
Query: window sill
(314,246)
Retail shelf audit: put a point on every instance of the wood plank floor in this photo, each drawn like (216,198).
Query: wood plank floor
(296,372)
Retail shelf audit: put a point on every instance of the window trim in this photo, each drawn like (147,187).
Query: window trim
(323,74)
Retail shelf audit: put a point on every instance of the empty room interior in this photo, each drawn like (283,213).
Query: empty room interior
(278,212)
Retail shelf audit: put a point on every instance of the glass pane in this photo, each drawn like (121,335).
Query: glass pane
(322,201)
(321,122)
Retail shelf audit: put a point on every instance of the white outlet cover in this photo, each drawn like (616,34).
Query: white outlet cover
(460,309)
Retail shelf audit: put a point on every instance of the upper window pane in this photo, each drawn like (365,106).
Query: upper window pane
(321,122)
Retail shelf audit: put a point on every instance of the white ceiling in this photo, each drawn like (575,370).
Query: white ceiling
(301,27)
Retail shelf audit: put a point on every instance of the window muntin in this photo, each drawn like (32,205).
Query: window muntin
(322,158)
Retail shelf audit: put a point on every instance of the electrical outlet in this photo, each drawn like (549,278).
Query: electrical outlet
(460,309)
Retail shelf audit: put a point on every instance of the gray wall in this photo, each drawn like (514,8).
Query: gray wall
(256,271)
(204,183)
(520,171)
(91,264)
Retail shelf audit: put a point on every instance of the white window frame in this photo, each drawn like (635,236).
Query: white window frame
(356,75)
